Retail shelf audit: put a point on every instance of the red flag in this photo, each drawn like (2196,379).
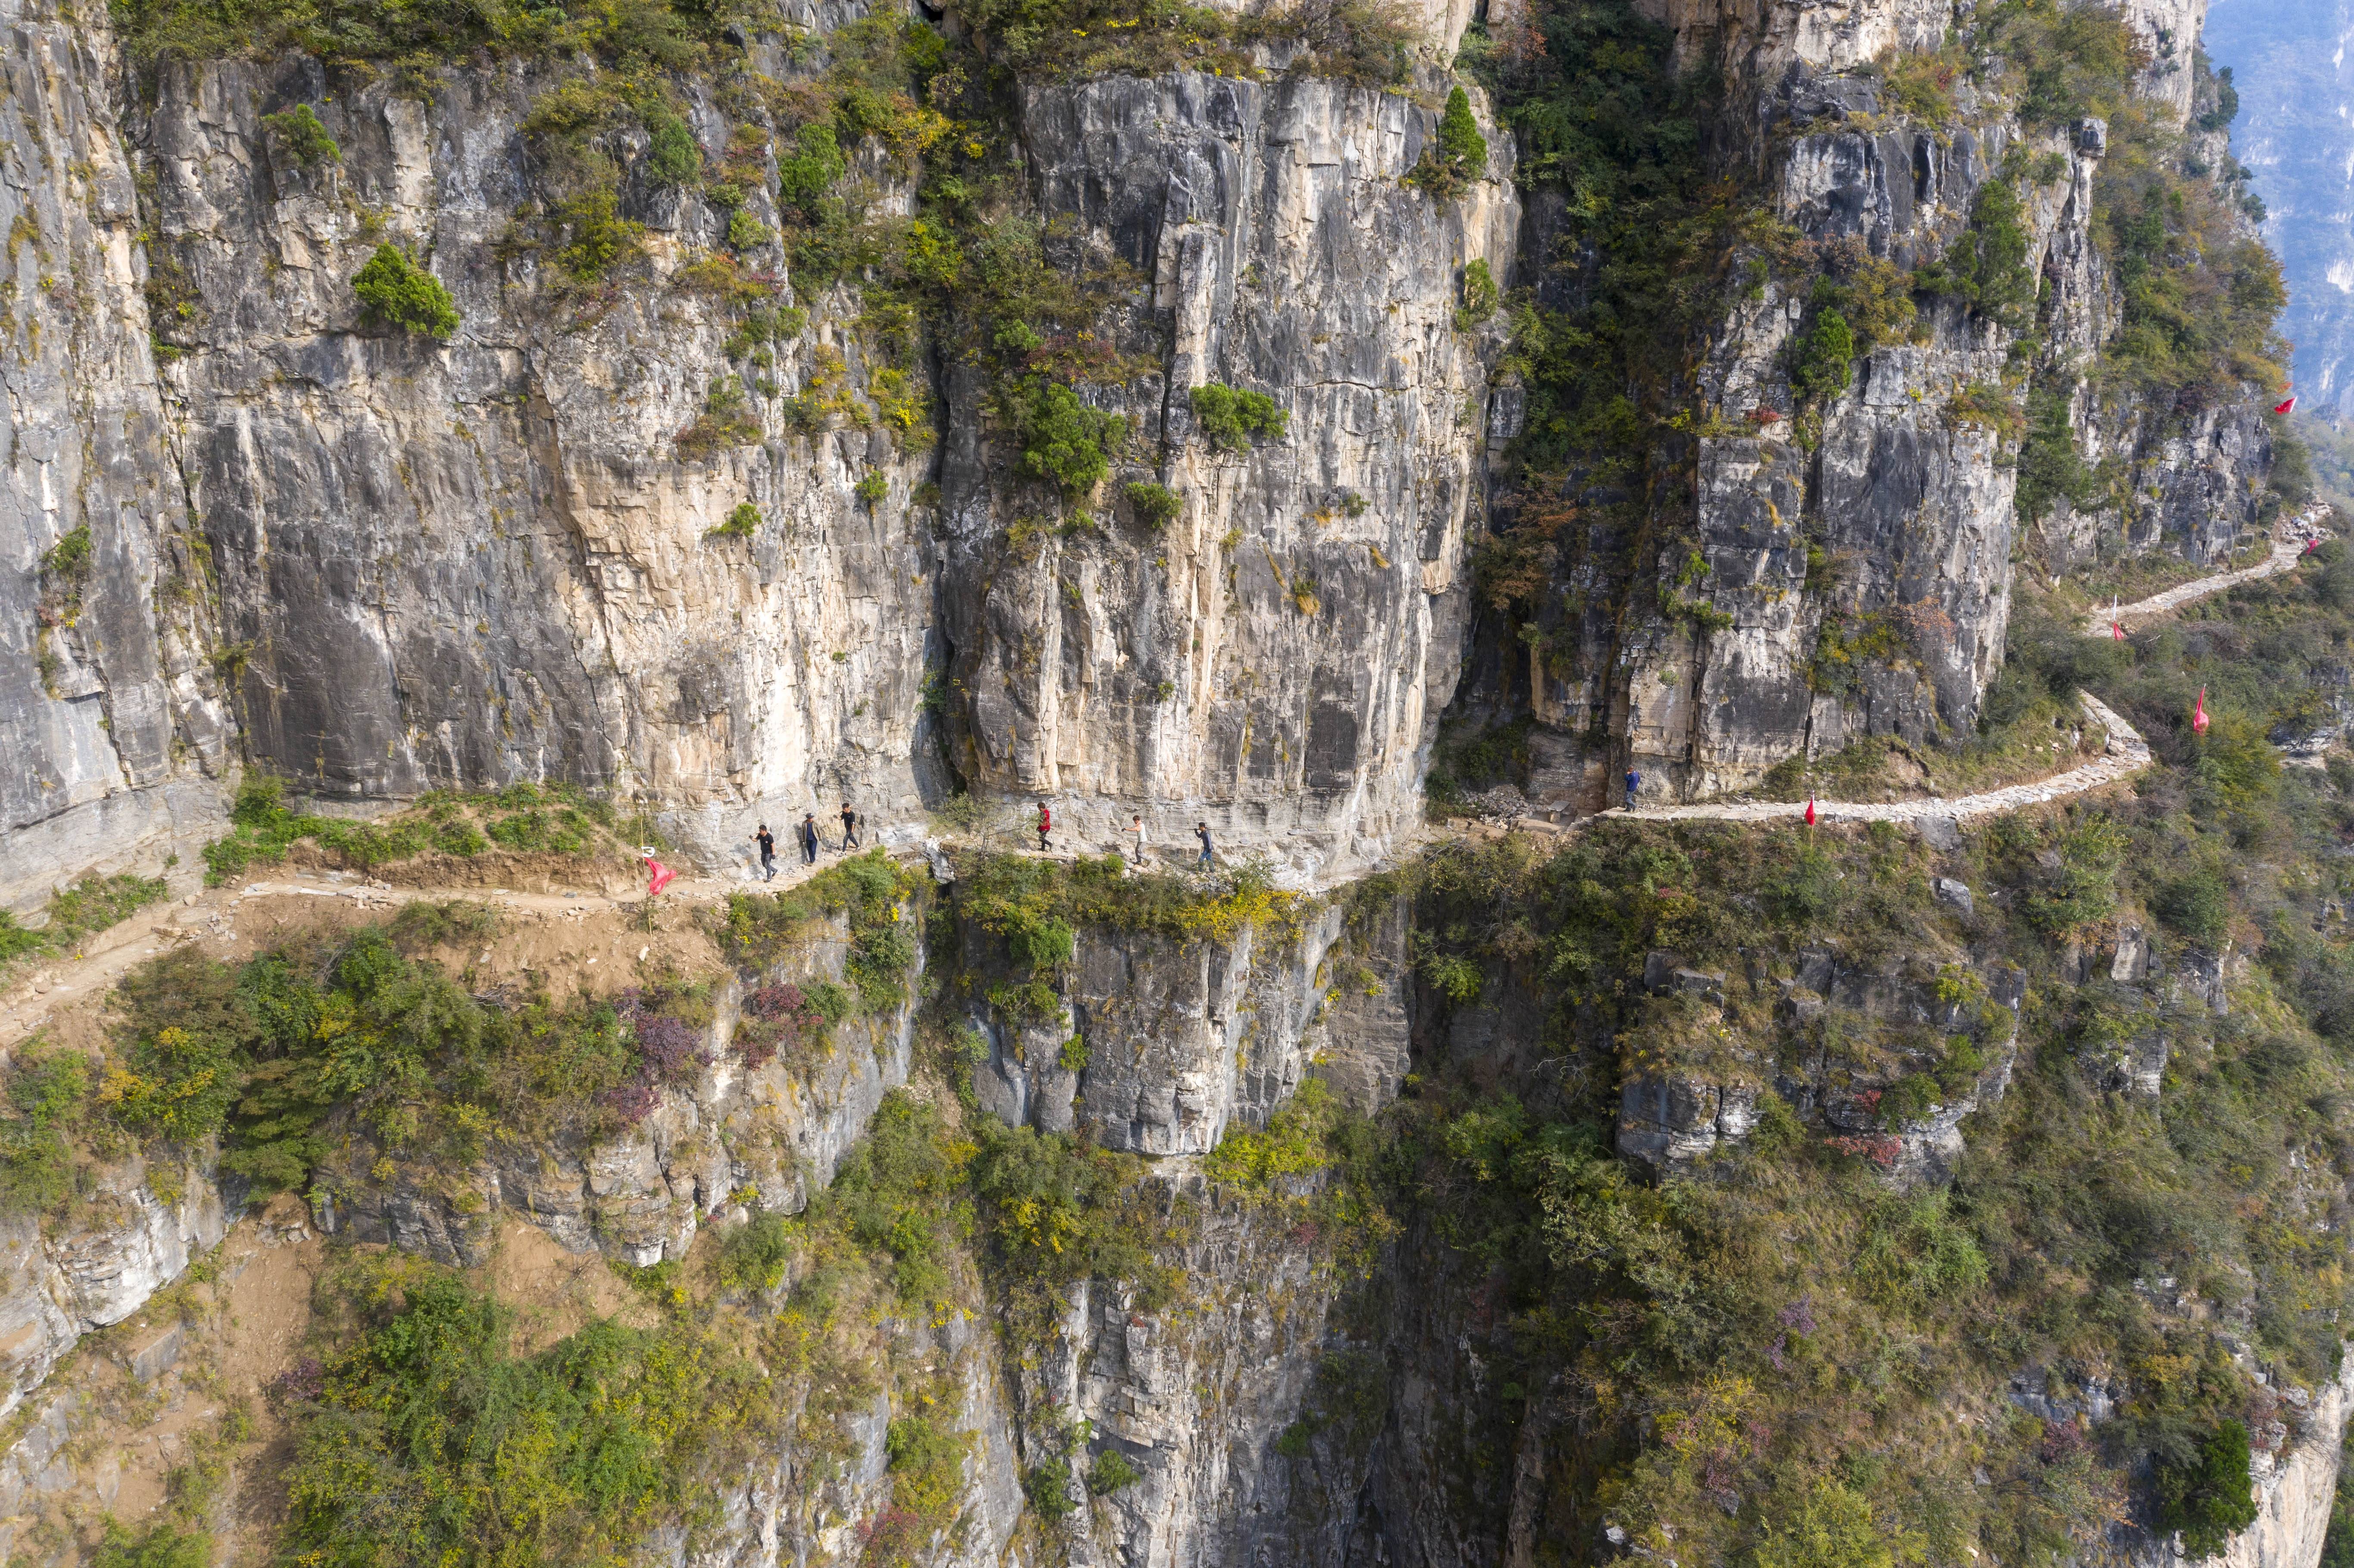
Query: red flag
(2199,718)
(2284,407)
(2118,630)
(1810,807)
(660,878)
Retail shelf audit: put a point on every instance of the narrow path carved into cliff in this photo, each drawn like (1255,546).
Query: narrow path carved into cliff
(2304,531)
(210,917)
(211,914)
(2125,755)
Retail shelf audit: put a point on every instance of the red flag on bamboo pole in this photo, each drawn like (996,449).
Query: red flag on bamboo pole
(2199,716)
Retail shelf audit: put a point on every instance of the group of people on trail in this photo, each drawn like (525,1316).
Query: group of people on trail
(1136,835)
(808,834)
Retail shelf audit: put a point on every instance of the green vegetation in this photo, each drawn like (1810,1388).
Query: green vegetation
(1064,443)
(1155,505)
(804,178)
(1458,155)
(47,1096)
(1037,905)
(161,1546)
(303,136)
(90,905)
(741,524)
(872,489)
(69,559)
(1480,296)
(1735,1330)
(728,420)
(309,1060)
(876,898)
(2209,1499)
(1068,39)
(365,36)
(1920,84)
(2076,60)
(1826,360)
(2051,468)
(1111,1472)
(1989,406)
(2200,300)
(673,156)
(432,1440)
(1229,417)
(395,290)
(1986,264)
(556,819)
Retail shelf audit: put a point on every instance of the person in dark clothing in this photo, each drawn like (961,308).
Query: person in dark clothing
(809,838)
(1202,831)
(1045,826)
(849,827)
(1633,782)
(768,842)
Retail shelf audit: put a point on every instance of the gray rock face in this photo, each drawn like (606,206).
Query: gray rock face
(1179,1042)
(1903,498)
(119,1247)
(487,561)
(1275,658)
(1845,1036)
(107,708)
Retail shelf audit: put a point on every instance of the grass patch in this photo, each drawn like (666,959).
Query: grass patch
(522,818)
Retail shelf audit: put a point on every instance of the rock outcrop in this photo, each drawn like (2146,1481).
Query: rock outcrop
(118,1248)
(1162,1045)
(1274,658)
(109,711)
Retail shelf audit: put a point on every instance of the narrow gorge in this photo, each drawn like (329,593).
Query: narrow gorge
(1182,524)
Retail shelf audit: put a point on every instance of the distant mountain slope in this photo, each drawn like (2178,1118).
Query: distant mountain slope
(2290,62)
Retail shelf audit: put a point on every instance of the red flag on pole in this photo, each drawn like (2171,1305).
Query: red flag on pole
(659,874)
(2116,627)
(2199,717)
(2284,407)
(1810,807)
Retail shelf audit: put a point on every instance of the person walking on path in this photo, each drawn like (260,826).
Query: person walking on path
(1045,826)
(768,842)
(849,828)
(809,838)
(1202,831)
(1136,832)
(1633,782)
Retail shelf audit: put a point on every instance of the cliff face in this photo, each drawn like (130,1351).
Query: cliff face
(1280,652)
(468,565)
(405,565)
(1831,564)
(107,703)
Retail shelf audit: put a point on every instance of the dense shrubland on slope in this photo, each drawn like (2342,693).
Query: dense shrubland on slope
(1670,1234)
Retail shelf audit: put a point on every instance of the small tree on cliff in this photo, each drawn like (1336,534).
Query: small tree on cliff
(398,291)
(1825,363)
(1460,154)
(2209,1496)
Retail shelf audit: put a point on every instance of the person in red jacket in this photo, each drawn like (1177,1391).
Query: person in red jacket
(1045,826)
